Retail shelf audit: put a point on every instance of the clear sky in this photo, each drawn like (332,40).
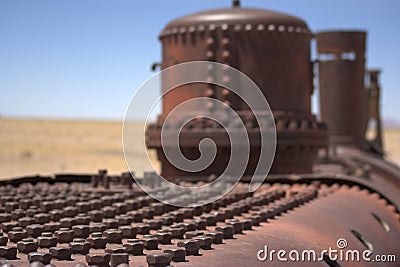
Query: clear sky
(85,58)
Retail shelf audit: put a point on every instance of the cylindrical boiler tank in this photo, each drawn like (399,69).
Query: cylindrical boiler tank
(273,49)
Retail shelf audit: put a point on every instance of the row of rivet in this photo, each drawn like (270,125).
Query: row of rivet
(298,124)
(225,54)
(237,28)
(210,92)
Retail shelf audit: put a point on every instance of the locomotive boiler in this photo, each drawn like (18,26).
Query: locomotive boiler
(330,198)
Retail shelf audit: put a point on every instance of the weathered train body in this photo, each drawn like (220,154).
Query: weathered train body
(329,188)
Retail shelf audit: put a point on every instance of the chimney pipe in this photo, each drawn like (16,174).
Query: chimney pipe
(341,69)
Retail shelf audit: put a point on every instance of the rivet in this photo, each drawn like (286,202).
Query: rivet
(209,104)
(293,125)
(281,28)
(192,29)
(210,79)
(225,91)
(290,29)
(271,27)
(248,27)
(225,54)
(212,27)
(224,27)
(225,41)
(209,92)
(201,28)
(226,79)
(238,27)
(260,27)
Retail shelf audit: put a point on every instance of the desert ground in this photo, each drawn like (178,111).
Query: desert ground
(33,146)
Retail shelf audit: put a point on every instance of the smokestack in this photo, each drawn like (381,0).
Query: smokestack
(341,81)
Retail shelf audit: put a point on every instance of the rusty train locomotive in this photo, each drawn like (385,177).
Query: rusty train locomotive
(328,182)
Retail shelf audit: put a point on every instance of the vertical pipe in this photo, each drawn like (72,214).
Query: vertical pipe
(341,71)
(374,139)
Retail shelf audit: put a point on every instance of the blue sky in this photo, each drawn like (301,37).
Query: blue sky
(85,59)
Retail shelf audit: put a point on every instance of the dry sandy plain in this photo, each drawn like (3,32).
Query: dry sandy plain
(52,146)
(29,147)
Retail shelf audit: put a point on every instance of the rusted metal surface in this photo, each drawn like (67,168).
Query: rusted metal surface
(341,70)
(374,172)
(261,44)
(227,232)
(317,225)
